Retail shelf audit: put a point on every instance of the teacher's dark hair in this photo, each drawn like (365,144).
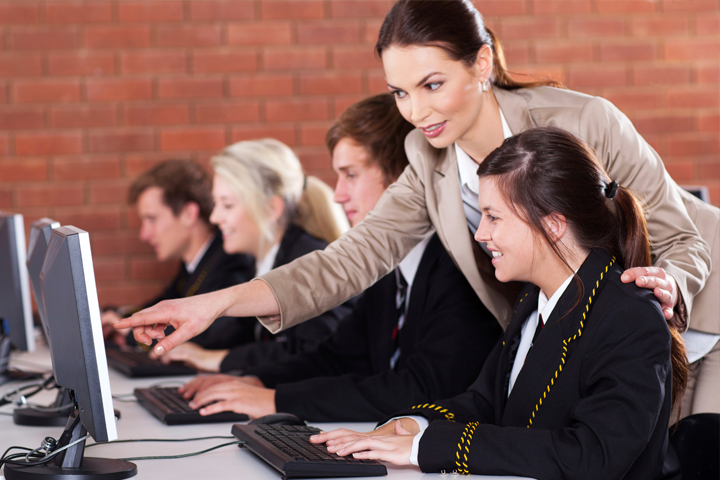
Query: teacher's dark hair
(456,27)
(547,170)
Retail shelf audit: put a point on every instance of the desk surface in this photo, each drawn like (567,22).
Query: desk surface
(136,422)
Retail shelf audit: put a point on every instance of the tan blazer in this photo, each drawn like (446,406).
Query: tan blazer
(427,196)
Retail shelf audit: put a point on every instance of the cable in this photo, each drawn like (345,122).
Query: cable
(183,455)
(222,437)
(45,459)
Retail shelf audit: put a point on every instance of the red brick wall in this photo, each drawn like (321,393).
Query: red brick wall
(93,92)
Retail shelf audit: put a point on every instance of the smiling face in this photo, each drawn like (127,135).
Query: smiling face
(360,182)
(516,249)
(440,96)
(240,232)
(166,233)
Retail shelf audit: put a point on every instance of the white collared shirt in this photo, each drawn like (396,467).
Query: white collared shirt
(190,267)
(409,265)
(267,262)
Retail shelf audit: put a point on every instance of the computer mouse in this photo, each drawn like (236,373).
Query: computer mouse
(278,419)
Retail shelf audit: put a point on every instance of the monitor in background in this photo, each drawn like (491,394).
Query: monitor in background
(73,322)
(16,322)
(57,413)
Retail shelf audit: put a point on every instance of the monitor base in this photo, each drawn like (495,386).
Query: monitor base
(54,415)
(91,469)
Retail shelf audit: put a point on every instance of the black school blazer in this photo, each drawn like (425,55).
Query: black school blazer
(592,401)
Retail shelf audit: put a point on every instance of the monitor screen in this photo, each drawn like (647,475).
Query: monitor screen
(71,305)
(15,307)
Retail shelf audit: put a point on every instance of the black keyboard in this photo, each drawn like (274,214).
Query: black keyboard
(172,409)
(288,449)
(139,364)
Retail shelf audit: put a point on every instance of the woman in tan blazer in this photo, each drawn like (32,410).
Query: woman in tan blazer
(448,75)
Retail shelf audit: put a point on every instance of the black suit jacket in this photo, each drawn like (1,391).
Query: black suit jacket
(261,347)
(215,271)
(591,402)
(446,337)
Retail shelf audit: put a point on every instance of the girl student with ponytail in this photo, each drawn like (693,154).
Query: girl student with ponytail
(449,78)
(582,384)
(266,207)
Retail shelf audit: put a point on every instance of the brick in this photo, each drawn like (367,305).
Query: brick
(190,88)
(595,27)
(128,294)
(377,83)
(91,219)
(223,10)
(690,5)
(50,195)
(681,171)
(491,8)
(517,52)
(313,135)
(692,49)
(530,73)
(118,243)
(117,37)
(710,169)
(328,84)
(192,139)
(16,13)
(78,12)
(707,24)
(14,118)
(354,9)
(261,85)
(655,123)
(45,39)
(353,57)
(150,11)
(153,62)
(83,116)
(292,9)
(328,33)
(627,52)
(23,170)
(108,269)
(659,26)
(341,103)
(660,75)
(227,112)
(709,122)
(634,99)
(120,89)
(693,98)
(224,61)
(20,65)
(156,114)
(112,192)
(708,73)
(4,144)
(370,32)
(5,197)
(296,110)
(189,36)
(563,7)
(94,63)
(137,163)
(597,77)
(564,52)
(149,269)
(259,33)
(625,6)
(122,141)
(284,133)
(3,93)
(295,58)
(48,144)
(693,146)
(85,168)
(537,27)
(318,159)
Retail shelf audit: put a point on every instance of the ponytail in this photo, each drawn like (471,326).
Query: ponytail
(634,249)
(318,214)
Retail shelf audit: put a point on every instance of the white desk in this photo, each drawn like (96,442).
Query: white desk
(136,422)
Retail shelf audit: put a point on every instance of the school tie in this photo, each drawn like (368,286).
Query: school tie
(400,302)
(539,327)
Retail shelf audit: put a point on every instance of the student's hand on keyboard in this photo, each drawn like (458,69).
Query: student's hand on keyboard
(237,396)
(392,446)
(203,382)
(194,355)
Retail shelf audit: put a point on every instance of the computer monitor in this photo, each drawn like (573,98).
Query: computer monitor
(16,321)
(72,313)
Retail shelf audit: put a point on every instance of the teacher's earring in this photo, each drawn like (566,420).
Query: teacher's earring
(486,85)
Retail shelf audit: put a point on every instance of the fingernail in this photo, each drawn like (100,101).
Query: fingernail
(313,437)
(624,278)
(159,350)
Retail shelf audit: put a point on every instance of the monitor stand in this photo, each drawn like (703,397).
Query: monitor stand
(71,464)
(54,415)
(7,375)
